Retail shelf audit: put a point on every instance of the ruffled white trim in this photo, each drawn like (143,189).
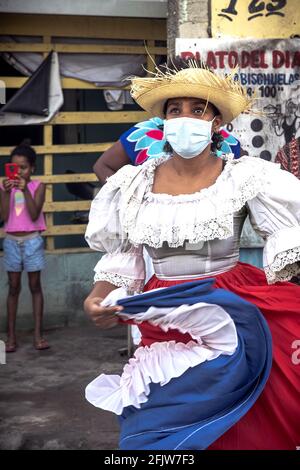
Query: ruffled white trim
(122,270)
(211,327)
(153,219)
(131,285)
(282,255)
(285,266)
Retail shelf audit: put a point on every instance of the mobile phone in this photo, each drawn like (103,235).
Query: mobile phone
(11,170)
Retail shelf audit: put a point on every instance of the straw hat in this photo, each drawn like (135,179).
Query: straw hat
(227,94)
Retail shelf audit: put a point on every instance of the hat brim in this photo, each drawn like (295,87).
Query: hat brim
(229,104)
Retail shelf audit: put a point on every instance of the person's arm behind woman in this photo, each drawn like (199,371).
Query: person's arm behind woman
(111,161)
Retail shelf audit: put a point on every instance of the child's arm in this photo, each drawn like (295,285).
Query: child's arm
(34,204)
(5,198)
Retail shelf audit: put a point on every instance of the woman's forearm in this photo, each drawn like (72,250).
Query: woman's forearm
(104,317)
(101,289)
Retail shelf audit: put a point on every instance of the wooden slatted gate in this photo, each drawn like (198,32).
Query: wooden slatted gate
(45,28)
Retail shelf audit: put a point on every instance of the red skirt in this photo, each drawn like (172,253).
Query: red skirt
(274,421)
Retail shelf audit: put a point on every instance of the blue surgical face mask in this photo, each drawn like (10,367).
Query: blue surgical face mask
(188,136)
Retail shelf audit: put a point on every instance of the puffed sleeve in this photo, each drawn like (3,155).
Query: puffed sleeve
(122,264)
(275,215)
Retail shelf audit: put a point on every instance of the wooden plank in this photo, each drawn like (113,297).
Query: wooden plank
(67,83)
(76,229)
(83,27)
(66,206)
(80,48)
(59,149)
(66,178)
(46,42)
(105,117)
(62,251)
(48,170)
(150,57)
(74,178)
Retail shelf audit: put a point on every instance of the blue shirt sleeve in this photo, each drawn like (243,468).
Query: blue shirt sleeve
(128,146)
(144,141)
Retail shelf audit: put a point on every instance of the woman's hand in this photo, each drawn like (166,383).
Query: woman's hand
(104,317)
(8,184)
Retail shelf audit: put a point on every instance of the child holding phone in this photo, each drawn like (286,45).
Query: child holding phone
(21,203)
(11,170)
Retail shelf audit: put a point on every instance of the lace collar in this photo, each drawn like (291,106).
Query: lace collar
(150,218)
(204,192)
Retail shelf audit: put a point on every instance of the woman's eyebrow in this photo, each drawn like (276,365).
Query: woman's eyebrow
(198,102)
(177,103)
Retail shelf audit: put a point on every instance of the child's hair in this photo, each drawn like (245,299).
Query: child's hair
(25,150)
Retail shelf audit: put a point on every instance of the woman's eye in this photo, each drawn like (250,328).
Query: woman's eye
(198,111)
(173,110)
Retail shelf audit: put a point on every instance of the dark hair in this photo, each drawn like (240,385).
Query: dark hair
(26,151)
(217,140)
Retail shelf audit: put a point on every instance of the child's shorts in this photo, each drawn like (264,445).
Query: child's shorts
(24,253)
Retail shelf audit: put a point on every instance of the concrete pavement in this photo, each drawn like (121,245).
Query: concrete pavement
(42,403)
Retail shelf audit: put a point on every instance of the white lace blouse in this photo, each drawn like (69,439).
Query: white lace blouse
(125,216)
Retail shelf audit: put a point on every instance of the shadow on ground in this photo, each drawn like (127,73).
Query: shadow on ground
(42,403)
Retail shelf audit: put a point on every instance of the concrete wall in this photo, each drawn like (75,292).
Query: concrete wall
(66,281)
(187,19)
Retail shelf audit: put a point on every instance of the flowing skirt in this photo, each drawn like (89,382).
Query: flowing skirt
(273,422)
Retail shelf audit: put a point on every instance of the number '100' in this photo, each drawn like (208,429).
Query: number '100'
(267,91)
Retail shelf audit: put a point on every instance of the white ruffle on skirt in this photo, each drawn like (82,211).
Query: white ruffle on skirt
(213,332)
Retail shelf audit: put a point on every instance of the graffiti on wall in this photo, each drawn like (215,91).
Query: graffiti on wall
(255,18)
(270,70)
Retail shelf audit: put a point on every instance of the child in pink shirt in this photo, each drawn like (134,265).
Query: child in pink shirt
(21,203)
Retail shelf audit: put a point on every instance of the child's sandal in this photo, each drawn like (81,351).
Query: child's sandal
(41,344)
(11,347)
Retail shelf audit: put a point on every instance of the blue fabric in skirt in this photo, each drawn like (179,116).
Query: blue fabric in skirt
(195,409)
